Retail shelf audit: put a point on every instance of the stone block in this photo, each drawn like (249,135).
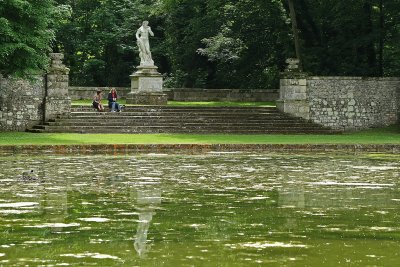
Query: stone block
(147,98)
(298,108)
(150,84)
(55,106)
(288,82)
(300,89)
(302,82)
(146,79)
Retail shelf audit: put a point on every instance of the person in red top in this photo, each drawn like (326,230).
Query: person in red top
(112,101)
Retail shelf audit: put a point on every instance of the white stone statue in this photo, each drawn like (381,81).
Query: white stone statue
(142,37)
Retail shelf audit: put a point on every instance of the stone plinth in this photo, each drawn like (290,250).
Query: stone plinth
(57,100)
(146,87)
(293,97)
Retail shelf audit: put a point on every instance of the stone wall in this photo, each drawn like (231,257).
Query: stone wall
(26,103)
(342,103)
(231,95)
(82,92)
(21,103)
(189,94)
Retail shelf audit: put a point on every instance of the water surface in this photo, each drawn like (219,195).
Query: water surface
(217,209)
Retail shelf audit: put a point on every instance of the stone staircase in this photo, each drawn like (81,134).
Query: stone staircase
(168,119)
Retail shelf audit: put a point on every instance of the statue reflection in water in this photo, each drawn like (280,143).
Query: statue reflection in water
(148,199)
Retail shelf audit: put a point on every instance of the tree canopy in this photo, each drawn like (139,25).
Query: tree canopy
(26,33)
(201,43)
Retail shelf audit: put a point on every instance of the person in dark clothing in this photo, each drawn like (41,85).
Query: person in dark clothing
(97,101)
(112,101)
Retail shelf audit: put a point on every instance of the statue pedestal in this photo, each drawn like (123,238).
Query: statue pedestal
(146,87)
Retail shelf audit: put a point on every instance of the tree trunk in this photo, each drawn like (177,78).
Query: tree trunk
(295,33)
(381,36)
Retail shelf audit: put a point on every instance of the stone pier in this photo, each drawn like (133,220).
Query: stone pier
(147,87)
(57,100)
(293,97)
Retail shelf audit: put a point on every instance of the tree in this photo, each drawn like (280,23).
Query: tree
(295,32)
(250,46)
(391,38)
(99,43)
(227,43)
(187,23)
(26,36)
(340,37)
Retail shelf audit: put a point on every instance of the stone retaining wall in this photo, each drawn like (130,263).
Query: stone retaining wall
(188,94)
(342,103)
(21,103)
(26,103)
(230,95)
(81,92)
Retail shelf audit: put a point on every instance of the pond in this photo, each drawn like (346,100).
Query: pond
(215,209)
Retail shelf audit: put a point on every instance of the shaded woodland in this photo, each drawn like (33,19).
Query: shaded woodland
(201,43)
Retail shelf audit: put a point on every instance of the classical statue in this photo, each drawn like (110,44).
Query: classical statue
(142,37)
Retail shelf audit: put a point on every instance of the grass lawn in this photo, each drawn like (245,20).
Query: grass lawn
(389,135)
(86,102)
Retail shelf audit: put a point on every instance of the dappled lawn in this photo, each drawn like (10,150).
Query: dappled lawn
(88,102)
(389,135)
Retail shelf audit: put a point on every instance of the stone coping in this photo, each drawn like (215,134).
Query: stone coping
(196,148)
(221,90)
(353,78)
(358,78)
(79,89)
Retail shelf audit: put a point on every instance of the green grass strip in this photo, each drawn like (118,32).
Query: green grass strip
(390,135)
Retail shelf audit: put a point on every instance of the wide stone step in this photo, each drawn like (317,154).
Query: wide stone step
(216,121)
(159,129)
(166,119)
(249,110)
(184,126)
(175,115)
(185,123)
(166,114)
(177,108)
(156,119)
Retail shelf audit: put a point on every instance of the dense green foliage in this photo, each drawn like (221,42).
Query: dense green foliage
(25,35)
(202,43)
(98,40)
(343,38)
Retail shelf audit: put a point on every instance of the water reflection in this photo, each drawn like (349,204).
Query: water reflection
(233,210)
(148,199)
(337,195)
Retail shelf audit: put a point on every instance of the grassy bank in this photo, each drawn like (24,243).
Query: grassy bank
(390,135)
